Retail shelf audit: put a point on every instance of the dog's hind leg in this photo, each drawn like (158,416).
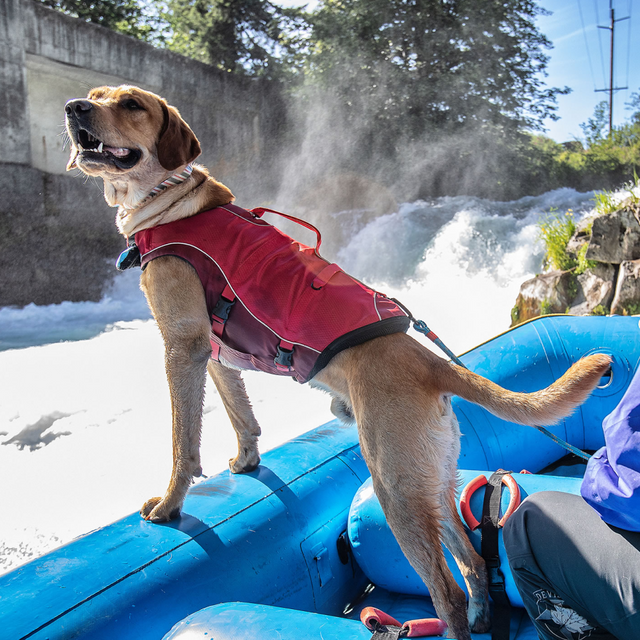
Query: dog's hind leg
(404,454)
(236,402)
(471,565)
(415,522)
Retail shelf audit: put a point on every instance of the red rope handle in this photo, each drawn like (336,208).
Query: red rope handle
(258,211)
(373,618)
(474,485)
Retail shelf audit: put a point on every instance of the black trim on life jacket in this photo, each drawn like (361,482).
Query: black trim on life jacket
(386,327)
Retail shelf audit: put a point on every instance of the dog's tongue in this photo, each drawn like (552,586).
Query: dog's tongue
(116,151)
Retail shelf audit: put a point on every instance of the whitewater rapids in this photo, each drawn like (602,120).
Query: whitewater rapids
(85,419)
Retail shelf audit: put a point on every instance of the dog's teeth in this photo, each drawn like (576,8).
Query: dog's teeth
(100,147)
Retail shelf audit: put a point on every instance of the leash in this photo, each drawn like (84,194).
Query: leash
(421,327)
(569,447)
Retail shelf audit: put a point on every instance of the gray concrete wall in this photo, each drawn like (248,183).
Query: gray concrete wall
(60,221)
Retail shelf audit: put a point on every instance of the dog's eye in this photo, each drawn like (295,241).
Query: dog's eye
(132,105)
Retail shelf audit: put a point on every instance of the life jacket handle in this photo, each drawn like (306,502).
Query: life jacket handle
(259,211)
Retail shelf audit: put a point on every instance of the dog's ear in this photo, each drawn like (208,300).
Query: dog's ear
(177,144)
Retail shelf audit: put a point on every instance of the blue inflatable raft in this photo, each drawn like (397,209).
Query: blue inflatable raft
(297,548)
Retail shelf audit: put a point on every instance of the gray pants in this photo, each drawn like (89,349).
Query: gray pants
(578,577)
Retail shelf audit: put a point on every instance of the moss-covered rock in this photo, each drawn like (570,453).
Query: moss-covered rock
(547,293)
(627,294)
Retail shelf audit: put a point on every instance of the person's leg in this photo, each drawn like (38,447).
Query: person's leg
(578,577)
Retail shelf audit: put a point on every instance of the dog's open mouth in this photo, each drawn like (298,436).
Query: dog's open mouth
(122,157)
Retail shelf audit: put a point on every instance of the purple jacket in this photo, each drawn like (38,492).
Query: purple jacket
(611,483)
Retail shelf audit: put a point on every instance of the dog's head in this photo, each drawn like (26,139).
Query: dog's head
(123,130)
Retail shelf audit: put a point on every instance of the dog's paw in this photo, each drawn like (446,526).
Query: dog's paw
(247,460)
(479,618)
(157,510)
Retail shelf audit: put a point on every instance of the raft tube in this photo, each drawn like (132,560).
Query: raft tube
(271,537)
(247,621)
(530,357)
(266,536)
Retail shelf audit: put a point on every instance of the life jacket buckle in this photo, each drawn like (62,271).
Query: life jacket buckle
(284,358)
(222,309)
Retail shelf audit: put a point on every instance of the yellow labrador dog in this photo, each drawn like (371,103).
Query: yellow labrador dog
(397,391)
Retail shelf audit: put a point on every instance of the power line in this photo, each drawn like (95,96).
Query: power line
(595,8)
(611,88)
(586,44)
(629,41)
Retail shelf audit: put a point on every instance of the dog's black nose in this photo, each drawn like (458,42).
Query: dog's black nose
(78,106)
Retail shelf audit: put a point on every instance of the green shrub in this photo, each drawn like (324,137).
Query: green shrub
(555,231)
(546,307)
(583,263)
(605,202)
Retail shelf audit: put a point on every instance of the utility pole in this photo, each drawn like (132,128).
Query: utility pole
(611,88)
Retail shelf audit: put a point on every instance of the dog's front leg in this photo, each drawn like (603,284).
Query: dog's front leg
(177,300)
(234,397)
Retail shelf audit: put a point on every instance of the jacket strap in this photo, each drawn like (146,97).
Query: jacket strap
(284,357)
(324,276)
(220,313)
(490,552)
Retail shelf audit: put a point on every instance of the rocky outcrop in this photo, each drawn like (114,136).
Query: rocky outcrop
(610,283)
(594,290)
(615,237)
(542,295)
(627,294)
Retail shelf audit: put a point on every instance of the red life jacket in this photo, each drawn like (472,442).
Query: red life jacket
(275,304)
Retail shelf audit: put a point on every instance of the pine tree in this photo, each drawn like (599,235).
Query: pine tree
(125,16)
(418,65)
(240,36)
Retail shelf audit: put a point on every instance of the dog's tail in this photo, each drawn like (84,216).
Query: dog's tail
(545,407)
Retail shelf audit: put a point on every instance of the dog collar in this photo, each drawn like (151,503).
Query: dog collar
(130,257)
(174,179)
(171,181)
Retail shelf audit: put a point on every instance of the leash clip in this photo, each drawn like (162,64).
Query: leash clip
(130,257)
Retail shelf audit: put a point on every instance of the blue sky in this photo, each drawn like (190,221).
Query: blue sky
(580,58)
